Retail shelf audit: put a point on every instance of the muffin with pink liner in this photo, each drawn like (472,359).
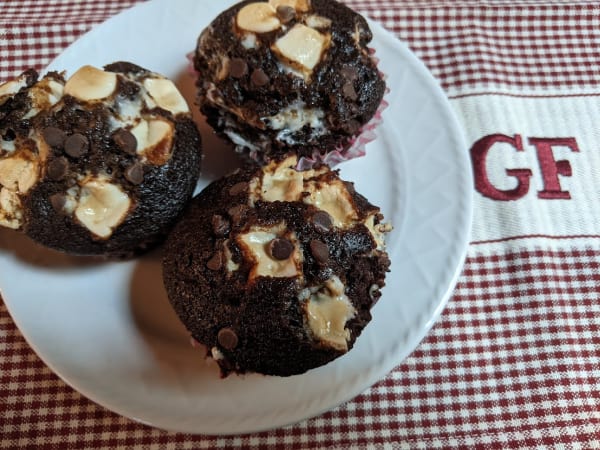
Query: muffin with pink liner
(283,77)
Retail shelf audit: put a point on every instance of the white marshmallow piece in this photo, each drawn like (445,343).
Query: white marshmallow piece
(301,45)
(258,18)
(155,140)
(90,83)
(166,95)
(102,207)
(18,174)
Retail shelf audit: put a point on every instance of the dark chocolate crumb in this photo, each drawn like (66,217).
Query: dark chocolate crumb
(280,249)
(227,338)
(349,73)
(349,92)
(352,126)
(350,187)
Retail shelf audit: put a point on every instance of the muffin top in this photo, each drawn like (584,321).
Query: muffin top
(298,71)
(276,270)
(81,160)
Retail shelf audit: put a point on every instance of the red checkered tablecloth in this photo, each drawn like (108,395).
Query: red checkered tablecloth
(514,361)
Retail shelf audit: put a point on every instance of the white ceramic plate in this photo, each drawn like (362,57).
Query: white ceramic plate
(108,330)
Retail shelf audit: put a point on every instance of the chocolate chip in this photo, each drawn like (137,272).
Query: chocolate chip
(238,188)
(76,145)
(280,249)
(237,212)
(227,338)
(57,168)
(55,137)
(125,140)
(349,73)
(259,78)
(58,201)
(349,92)
(216,262)
(135,173)
(322,221)
(238,68)
(286,13)
(320,251)
(220,225)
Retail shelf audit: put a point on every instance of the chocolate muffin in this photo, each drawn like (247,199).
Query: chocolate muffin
(100,164)
(275,270)
(283,77)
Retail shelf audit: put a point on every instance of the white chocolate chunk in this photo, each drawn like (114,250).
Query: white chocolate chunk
(140,131)
(255,245)
(327,312)
(280,182)
(285,185)
(315,21)
(71,199)
(301,45)
(335,200)
(216,354)
(102,206)
(258,18)
(249,41)
(90,83)
(18,174)
(154,139)
(10,209)
(166,95)
(298,5)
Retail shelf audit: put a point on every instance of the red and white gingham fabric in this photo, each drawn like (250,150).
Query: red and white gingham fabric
(514,361)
